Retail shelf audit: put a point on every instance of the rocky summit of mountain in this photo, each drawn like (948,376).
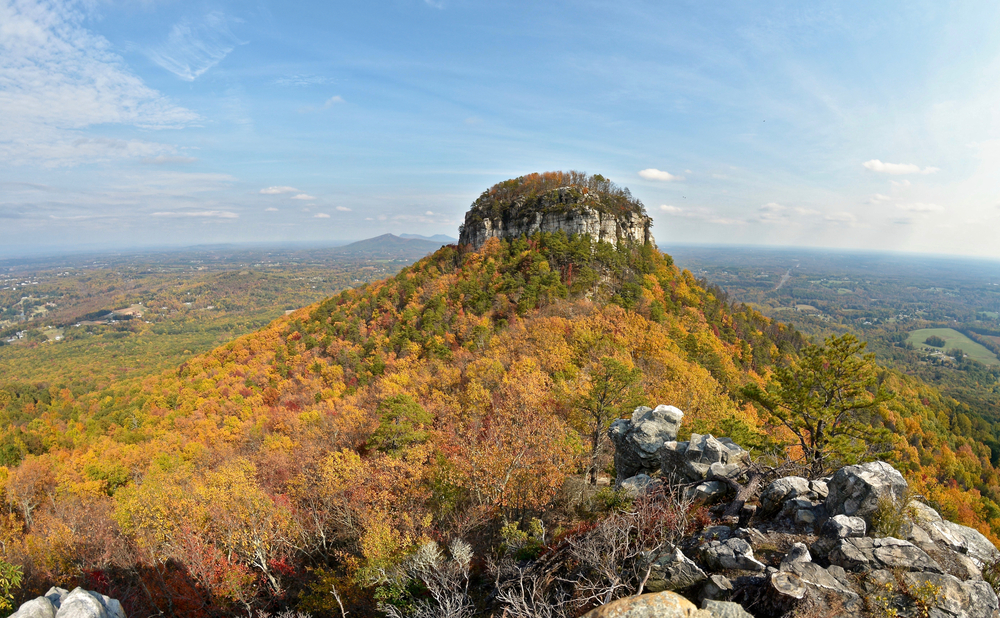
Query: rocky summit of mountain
(571,202)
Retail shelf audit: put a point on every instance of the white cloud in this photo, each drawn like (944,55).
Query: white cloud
(670,209)
(920,207)
(271,209)
(333,101)
(429,213)
(655,174)
(192,49)
(215,214)
(168,160)
(900,184)
(57,78)
(343,209)
(772,207)
(841,217)
(878,198)
(303,196)
(898,168)
(278,190)
(321,215)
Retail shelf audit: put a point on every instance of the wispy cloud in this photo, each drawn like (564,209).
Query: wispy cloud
(898,168)
(214,214)
(303,80)
(878,198)
(271,209)
(57,78)
(278,190)
(841,217)
(343,209)
(670,209)
(193,48)
(920,207)
(321,215)
(655,174)
(303,196)
(333,101)
(168,160)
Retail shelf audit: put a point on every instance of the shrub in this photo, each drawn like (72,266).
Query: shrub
(935,341)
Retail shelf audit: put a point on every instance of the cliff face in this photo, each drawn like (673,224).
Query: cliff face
(569,209)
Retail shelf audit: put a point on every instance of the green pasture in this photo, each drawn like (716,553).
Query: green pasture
(953,339)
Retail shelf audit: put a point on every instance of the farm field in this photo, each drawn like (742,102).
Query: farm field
(953,339)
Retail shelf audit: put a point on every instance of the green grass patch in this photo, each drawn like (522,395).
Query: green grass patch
(953,339)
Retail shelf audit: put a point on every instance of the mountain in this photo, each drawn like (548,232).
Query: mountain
(441,238)
(390,245)
(462,401)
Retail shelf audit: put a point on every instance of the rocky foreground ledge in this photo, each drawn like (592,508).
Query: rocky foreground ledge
(80,603)
(800,547)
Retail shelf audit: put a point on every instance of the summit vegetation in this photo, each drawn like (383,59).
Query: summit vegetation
(319,463)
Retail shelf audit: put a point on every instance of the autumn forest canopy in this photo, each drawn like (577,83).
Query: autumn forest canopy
(466,397)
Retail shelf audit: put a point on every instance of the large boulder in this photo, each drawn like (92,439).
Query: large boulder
(657,605)
(638,440)
(864,554)
(857,490)
(843,527)
(80,603)
(955,598)
(703,457)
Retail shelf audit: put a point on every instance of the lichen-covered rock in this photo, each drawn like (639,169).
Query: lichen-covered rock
(958,599)
(724,609)
(843,527)
(731,554)
(638,440)
(962,539)
(863,554)
(672,571)
(656,605)
(856,490)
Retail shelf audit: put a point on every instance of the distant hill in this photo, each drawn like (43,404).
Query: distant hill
(390,245)
(442,238)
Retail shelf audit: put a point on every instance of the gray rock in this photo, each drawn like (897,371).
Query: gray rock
(805,517)
(957,599)
(844,526)
(734,554)
(780,490)
(826,587)
(708,492)
(820,489)
(798,553)
(863,554)
(922,513)
(717,587)
(673,571)
(39,607)
(724,609)
(82,604)
(637,484)
(715,533)
(962,539)
(638,440)
(856,490)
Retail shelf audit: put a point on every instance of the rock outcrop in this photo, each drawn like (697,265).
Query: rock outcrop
(584,205)
(80,603)
(638,440)
(808,548)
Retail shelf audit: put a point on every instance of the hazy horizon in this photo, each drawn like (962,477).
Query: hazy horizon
(853,125)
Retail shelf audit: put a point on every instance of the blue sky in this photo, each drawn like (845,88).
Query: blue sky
(868,125)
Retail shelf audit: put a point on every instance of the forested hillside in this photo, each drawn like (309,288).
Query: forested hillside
(467,395)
